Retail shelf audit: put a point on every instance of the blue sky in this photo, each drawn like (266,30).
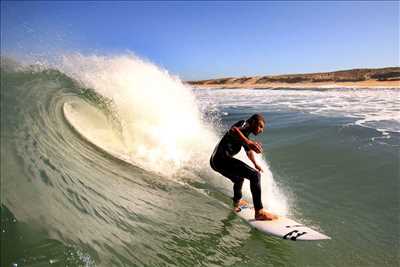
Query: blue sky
(199,40)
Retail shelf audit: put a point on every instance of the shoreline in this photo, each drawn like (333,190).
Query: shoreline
(304,85)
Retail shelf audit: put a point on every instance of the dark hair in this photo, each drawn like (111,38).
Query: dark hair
(256,118)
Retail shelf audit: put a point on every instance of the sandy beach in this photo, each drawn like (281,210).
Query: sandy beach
(320,85)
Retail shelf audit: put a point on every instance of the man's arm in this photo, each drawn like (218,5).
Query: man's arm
(251,156)
(256,147)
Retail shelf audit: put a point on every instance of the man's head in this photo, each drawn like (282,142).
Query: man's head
(256,123)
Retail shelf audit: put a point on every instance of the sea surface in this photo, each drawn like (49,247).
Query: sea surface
(331,161)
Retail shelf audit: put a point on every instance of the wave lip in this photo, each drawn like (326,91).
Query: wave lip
(160,121)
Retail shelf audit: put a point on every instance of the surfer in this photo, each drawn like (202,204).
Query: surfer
(222,161)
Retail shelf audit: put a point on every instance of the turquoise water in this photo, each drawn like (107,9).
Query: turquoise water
(333,157)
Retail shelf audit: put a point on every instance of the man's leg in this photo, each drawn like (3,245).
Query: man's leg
(237,189)
(255,188)
(223,166)
(237,168)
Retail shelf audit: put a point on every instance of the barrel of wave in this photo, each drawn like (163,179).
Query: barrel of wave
(162,128)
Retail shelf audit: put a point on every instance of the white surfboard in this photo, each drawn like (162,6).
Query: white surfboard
(281,227)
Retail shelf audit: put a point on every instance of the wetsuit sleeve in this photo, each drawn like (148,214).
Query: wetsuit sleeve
(241,124)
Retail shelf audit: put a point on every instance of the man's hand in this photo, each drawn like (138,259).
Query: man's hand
(251,156)
(255,146)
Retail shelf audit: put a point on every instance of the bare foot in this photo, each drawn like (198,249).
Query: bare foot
(236,205)
(263,215)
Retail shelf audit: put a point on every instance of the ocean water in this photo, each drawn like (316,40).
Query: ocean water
(331,161)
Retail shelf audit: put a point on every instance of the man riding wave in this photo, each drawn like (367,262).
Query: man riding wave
(222,161)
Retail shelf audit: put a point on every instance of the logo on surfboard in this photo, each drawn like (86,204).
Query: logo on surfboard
(293,235)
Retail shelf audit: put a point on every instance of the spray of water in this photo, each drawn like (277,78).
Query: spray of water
(162,128)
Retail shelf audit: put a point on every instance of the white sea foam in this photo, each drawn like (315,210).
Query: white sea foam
(373,108)
(160,122)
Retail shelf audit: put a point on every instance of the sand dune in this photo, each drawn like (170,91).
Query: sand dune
(355,78)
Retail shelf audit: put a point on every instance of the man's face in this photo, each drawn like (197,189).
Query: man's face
(258,127)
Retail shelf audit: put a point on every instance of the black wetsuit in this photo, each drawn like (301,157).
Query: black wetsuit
(222,161)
